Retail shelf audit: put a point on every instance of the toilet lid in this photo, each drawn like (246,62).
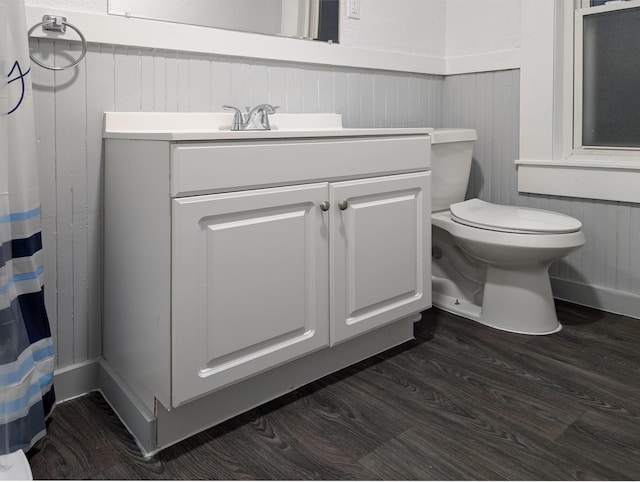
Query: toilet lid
(512,219)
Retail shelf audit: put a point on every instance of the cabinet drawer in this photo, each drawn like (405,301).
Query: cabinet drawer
(198,168)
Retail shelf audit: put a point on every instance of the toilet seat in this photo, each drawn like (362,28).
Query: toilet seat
(512,219)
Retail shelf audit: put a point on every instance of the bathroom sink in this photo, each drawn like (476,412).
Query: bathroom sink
(185,126)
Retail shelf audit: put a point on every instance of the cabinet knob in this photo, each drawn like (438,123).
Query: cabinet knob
(324,205)
(343,205)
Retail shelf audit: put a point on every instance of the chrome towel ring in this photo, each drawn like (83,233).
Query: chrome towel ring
(55,23)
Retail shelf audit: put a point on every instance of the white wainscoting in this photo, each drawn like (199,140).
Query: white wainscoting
(605,273)
(69,107)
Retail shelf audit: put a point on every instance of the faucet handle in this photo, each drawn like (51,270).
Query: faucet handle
(238,120)
(269,109)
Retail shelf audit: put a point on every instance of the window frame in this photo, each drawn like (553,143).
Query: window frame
(578,75)
(549,163)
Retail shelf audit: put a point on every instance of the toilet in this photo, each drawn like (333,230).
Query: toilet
(490,262)
(15,466)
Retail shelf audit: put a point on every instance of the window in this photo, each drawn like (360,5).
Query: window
(607,74)
(554,160)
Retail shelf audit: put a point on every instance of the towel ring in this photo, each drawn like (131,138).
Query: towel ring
(55,23)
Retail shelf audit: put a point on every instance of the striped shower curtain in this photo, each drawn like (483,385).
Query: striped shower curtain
(26,348)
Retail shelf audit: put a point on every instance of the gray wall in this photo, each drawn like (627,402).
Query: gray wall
(69,107)
(605,273)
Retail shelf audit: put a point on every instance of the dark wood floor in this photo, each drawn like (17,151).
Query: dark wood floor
(462,401)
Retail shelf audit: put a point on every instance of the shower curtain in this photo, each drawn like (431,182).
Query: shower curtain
(26,348)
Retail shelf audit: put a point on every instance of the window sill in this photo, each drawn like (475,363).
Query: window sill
(611,178)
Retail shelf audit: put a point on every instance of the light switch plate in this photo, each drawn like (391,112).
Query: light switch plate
(353,9)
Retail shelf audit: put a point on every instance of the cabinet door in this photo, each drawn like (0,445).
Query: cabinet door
(379,250)
(250,284)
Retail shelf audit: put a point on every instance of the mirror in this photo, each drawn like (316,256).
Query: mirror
(309,19)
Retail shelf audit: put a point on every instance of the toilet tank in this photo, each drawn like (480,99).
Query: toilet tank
(451,151)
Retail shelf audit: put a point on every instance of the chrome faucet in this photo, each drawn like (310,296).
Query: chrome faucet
(256,119)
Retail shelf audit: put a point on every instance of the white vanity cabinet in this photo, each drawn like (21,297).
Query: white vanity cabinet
(238,267)
(254,273)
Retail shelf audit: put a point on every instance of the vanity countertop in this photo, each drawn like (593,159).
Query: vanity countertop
(209,126)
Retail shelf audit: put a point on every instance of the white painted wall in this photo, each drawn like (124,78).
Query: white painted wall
(410,26)
(98,27)
(431,28)
(414,26)
(88,6)
(476,27)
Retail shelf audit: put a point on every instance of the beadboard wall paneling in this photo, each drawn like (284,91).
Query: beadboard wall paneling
(69,107)
(489,102)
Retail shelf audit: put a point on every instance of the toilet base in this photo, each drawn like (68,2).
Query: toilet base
(15,466)
(518,301)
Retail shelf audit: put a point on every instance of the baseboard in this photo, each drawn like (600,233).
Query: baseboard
(76,380)
(619,302)
(96,375)
(79,379)
(132,413)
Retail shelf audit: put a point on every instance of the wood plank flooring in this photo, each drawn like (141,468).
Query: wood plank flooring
(461,401)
